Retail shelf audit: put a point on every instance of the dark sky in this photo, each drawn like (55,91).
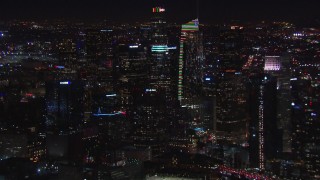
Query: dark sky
(211,11)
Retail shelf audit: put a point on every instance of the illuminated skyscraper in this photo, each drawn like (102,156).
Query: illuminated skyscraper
(64,102)
(190,74)
(133,71)
(152,105)
(272,63)
(191,80)
(150,121)
(280,68)
(144,104)
(190,61)
(231,108)
(160,69)
(261,129)
(264,141)
(306,123)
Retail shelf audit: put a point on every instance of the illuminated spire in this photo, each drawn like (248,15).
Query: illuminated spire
(197,9)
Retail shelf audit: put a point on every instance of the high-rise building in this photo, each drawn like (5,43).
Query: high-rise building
(231,103)
(160,61)
(284,100)
(133,73)
(190,62)
(272,63)
(153,107)
(144,104)
(306,125)
(149,121)
(98,46)
(264,141)
(191,77)
(279,67)
(64,103)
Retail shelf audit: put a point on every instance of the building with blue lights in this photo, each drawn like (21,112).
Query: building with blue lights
(64,102)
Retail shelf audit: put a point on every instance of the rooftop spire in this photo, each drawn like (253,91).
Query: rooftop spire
(197,6)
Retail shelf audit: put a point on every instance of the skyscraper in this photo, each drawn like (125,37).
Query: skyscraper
(272,63)
(231,108)
(64,102)
(190,62)
(305,121)
(264,141)
(190,72)
(160,62)
(153,106)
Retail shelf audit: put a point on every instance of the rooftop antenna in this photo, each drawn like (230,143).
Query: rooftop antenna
(197,1)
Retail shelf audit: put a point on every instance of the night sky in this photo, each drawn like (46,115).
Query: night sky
(211,11)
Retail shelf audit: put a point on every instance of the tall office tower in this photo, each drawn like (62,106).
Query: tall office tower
(96,48)
(150,121)
(231,117)
(110,120)
(272,63)
(64,103)
(256,110)
(158,27)
(146,83)
(264,141)
(142,103)
(190,62)
(284,100)
(98,45)
(160,61)
(190,73)
(306,123)
(261,128)
(209,103)
(133,72)
(161,71)
(279,67)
